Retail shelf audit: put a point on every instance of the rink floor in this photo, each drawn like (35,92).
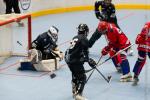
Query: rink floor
(27,85)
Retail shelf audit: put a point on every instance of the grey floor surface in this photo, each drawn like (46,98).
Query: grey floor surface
(16,85)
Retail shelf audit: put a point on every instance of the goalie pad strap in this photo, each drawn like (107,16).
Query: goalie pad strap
(55,63)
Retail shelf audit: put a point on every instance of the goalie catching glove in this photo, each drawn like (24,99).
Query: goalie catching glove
(92,63)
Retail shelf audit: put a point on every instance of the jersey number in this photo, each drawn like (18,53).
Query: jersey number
(73,43)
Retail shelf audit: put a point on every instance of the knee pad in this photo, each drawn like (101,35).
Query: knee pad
(141,59)
(35,55)
(123,56)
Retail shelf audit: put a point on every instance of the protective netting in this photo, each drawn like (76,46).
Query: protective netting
(14,28)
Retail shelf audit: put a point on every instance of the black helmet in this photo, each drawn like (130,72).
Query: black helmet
(83,29)
(107,1)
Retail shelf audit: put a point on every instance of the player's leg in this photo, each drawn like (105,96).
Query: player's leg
(8,6)
(16,6)
(78,80)
(126,77)
(139,65)
(115,60)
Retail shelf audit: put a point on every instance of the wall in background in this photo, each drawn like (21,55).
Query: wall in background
(41,5)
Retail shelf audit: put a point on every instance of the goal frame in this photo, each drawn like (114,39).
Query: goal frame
(17,18)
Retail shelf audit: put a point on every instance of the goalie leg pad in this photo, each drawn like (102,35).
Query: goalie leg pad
(47,65)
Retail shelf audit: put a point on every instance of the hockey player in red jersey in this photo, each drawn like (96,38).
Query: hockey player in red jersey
(143,42)
(117,40)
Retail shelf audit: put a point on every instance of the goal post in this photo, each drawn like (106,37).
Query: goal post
(14,28)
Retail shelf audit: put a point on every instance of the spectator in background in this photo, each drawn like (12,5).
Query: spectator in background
(12,4)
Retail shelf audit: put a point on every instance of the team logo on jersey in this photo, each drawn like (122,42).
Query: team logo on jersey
(25,4)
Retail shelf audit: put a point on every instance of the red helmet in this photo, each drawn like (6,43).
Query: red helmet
(103,26)
(148,24)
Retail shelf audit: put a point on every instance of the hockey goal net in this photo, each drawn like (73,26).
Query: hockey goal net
(15,35)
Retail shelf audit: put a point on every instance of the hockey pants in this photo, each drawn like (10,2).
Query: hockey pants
(78,77)
(121,60)
(140,62)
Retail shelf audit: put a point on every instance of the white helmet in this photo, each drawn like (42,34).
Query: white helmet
(53,33)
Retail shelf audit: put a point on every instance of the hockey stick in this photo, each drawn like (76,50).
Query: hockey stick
(52,74)
(93,70)
(21,45)
(110,57)
(107,79)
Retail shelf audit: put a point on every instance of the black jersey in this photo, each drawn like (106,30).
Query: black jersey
(107,12)
(78,50)
(43,42)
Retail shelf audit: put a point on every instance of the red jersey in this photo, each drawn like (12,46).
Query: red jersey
(143,39)
(116,38)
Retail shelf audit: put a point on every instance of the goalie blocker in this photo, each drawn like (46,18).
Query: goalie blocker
(35,63)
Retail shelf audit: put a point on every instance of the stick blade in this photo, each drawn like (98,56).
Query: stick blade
(109,78)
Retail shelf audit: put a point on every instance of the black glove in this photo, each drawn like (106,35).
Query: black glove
(47,51)
(92,63)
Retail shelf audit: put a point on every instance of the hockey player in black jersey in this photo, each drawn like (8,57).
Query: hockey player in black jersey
(46,43)
(44,47)
(106,12)
(75,56)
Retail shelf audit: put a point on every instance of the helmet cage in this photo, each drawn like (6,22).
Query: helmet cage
(53,33)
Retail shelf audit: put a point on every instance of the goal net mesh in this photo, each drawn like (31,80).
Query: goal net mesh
(15,35)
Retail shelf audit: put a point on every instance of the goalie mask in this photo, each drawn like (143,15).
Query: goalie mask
(53,33)
(83,29)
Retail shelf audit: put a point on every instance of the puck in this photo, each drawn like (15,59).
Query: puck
(52,76)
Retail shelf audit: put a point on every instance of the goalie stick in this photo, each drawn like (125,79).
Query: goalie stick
(52,74)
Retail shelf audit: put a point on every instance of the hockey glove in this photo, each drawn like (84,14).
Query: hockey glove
(47,51)
(139,39)
(92,63)
(105,50)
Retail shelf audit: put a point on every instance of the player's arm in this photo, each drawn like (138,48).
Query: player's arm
(85,47)
(36,43)
(113,12)
(95,36)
